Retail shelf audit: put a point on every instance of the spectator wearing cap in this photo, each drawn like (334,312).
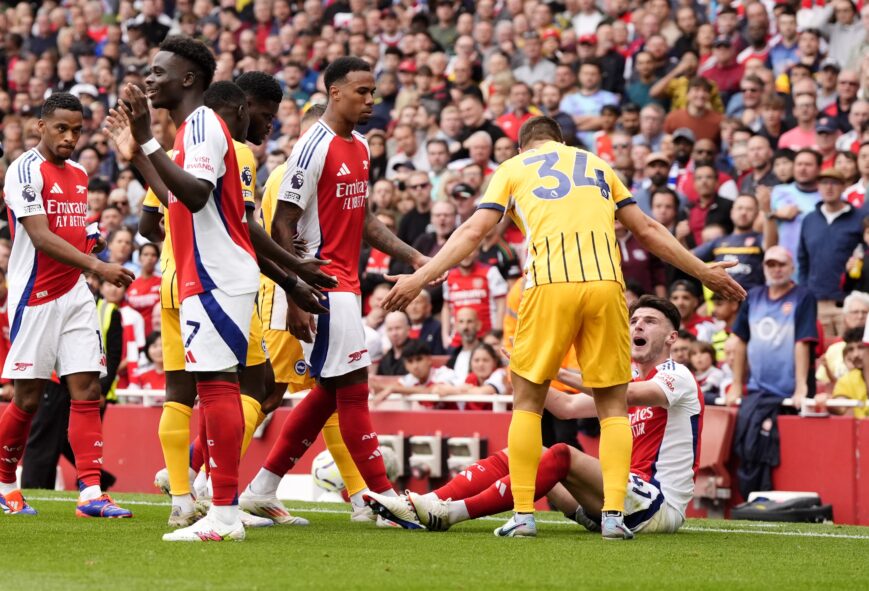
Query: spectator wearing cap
(784,51)
(827,88)
(696,116)
(683,145)
(827,240)
(585,106)
(790,203)
(804,135)
(725,71)
(550,101)
(639,265)
(519,113)
(743,245)
(535,68)
(685,295)
(407,151)
(464,197)
(827,133)
(710,208)
(656,171)
(772,342)
(390,34)
(847,85)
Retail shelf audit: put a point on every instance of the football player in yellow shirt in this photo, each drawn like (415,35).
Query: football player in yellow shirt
(231,104)
(565,201)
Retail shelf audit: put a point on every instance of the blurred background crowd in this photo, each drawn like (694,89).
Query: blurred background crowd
(740,125)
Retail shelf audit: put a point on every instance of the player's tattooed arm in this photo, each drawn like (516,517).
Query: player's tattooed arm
(383,239)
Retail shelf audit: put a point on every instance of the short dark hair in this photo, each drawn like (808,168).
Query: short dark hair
(684,334)
(61,100)
(591,62)
(338,70)
(195,52)
(224,94)
(612,109)
(815,154)
(260,86)
(631,108)
(784,153)
(700,82)
(663,306)
(150,245)
(150,340)
(665,191)
(540,128)
(98,185)
(853,335)
(415,348)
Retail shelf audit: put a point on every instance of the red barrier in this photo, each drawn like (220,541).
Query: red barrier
(817,454)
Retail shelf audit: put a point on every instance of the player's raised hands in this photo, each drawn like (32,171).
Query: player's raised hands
(117,126)
(719,281)
(405,290)
(309,271)
(115,274)
(137,111)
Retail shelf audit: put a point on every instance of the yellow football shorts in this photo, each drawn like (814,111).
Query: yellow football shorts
(591,316)
(288,360)
(173,348)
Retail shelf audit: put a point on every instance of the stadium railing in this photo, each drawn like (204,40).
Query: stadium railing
(397,401)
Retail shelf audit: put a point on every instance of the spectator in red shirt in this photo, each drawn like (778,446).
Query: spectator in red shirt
(474,285)
(486,376)
(686,298)
(639,265)
(155,377)
(520,102)
(726,72)
(144,292)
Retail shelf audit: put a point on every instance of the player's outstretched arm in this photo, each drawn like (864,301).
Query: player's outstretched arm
(193,192)
(462,243)
(658,240)
(266,248)
(383,239)
(581,406)
(49,243)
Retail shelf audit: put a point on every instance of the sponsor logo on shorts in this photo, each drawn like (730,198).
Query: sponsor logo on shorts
(21,366)
(357,355)
(301,367)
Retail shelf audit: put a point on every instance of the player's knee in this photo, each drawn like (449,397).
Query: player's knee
(561,453)
(27,399)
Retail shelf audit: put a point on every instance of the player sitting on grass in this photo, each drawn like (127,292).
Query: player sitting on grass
(666,412)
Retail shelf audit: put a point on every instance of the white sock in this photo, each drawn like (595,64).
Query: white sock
(200,484)
(183,501)
(90,493)
(457,512)
(356,499)
(225,514)
(191,475)
(5,488)
(265,483)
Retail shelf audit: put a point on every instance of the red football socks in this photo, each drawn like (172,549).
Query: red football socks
(300,430)
(86,440)
(554,465)
(354,420)
(475,478)
(220,403)
(14,429)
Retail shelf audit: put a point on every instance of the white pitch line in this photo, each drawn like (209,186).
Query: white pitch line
(544,521)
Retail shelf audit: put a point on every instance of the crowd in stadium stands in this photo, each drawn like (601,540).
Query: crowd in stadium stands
(742,126)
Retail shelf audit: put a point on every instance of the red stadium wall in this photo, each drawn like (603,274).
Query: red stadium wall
(819,455)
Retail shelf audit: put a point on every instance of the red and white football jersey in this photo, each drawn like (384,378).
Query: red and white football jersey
(142,295)
(327,176)
(478,289)
(212,246)
(666,446)
(35,186)
(856,194)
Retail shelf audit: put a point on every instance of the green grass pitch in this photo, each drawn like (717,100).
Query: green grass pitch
(56,550)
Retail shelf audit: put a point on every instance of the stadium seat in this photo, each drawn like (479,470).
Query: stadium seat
(713,481)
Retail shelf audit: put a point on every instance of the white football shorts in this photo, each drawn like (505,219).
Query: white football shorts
(339,345)
(62,335)
(647,511)
(214,330)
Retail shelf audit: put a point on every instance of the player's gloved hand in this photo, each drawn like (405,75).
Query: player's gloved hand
(309,271)
(115,274)
(405,290)
(138,112)
(301,324)
(308,299)
(719,281)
